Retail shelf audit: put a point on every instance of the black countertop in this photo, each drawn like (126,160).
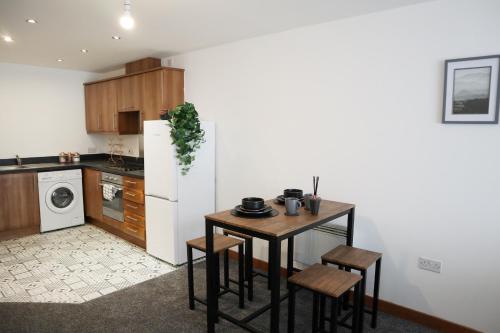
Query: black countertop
(101,165)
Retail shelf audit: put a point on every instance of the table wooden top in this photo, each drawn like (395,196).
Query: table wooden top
(281,225)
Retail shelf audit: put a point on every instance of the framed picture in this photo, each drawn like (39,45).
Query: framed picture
(471,90)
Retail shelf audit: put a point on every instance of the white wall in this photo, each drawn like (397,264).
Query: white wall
(358,102)
(42,113)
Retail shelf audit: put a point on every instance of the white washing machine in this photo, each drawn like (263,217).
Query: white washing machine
(61,199)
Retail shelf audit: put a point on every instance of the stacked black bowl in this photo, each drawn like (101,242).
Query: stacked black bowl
(253,207)
(290,193)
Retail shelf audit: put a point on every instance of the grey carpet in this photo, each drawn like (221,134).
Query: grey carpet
(160,305)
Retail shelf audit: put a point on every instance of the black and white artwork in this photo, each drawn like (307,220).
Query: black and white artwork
(471,90)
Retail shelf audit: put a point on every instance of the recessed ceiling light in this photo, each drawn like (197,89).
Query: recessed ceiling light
(32,21)
(8,39)
(60,60)
(116,37)
(84,50)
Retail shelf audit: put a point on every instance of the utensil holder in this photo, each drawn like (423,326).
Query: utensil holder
(314,205)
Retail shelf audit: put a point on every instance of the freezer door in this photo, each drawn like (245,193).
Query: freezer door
(161,229)
(160,164)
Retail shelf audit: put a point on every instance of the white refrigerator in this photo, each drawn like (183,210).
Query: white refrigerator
(176,204)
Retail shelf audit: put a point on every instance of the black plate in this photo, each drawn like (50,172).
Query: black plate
(280,199)
(243,211)
(271,213)
(240,207)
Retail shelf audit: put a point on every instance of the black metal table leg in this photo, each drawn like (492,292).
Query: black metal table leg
(190,276)
(212,298)
(249,266)
(241,277)
(350,227)
(291,308)
(289,258)
(269,270)
(275,258)
(217,284)
(375,293)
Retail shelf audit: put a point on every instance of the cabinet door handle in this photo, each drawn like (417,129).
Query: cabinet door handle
(133,219)
(133,207)
(132,229)
(114,120)
(130,182)
(131,194)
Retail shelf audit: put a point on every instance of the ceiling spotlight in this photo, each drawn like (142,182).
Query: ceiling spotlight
(127,21)
(84,50)
(31,21)
(60,60)
(116,37)
(8,39)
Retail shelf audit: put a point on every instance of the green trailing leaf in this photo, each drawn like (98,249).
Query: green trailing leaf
(186,134)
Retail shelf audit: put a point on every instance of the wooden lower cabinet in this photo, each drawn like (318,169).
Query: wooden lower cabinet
(19,204)
(92,193)
(133,229)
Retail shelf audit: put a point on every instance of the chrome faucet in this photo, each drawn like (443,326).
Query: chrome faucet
(19,162)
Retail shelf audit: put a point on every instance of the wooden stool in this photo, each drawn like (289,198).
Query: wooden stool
(249,272)
(325,281)
(221,243)
(347,257)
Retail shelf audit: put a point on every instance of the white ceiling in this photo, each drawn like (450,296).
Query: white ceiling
(163,27)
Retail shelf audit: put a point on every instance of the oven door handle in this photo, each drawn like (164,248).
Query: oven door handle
(117,187)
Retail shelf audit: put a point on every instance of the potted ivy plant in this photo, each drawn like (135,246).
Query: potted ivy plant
(186,133)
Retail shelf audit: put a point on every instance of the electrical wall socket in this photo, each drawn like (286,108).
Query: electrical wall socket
(430,264)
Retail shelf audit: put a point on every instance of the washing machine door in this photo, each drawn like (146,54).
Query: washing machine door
(61,198)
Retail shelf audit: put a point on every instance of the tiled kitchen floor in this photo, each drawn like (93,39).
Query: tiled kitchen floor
(72,266)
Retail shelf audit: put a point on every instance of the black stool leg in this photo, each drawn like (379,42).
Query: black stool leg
(322,310)
(345,301)
(190,277)
(241,276)
(333,315)
(226,268)
(375,293)
(291,308)
(315,312)
(217,284)
(355,309)
(339,300)
(362,301)
(249,266)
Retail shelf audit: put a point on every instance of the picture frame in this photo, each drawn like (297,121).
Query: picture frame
(472,90)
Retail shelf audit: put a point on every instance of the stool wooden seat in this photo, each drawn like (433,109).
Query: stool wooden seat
(221,243)
(358,259)
(348,257)
(324,281)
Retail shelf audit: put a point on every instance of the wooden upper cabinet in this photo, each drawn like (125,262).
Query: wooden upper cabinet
(129,93)
(142,95)
(100,107)
(92,193)
(173,88)
(152,95)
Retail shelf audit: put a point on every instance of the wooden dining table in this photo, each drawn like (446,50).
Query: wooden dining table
(274,230)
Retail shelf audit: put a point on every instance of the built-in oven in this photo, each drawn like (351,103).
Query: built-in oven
(112,196)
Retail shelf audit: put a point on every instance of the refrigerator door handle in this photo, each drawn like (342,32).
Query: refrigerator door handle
(158,197)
